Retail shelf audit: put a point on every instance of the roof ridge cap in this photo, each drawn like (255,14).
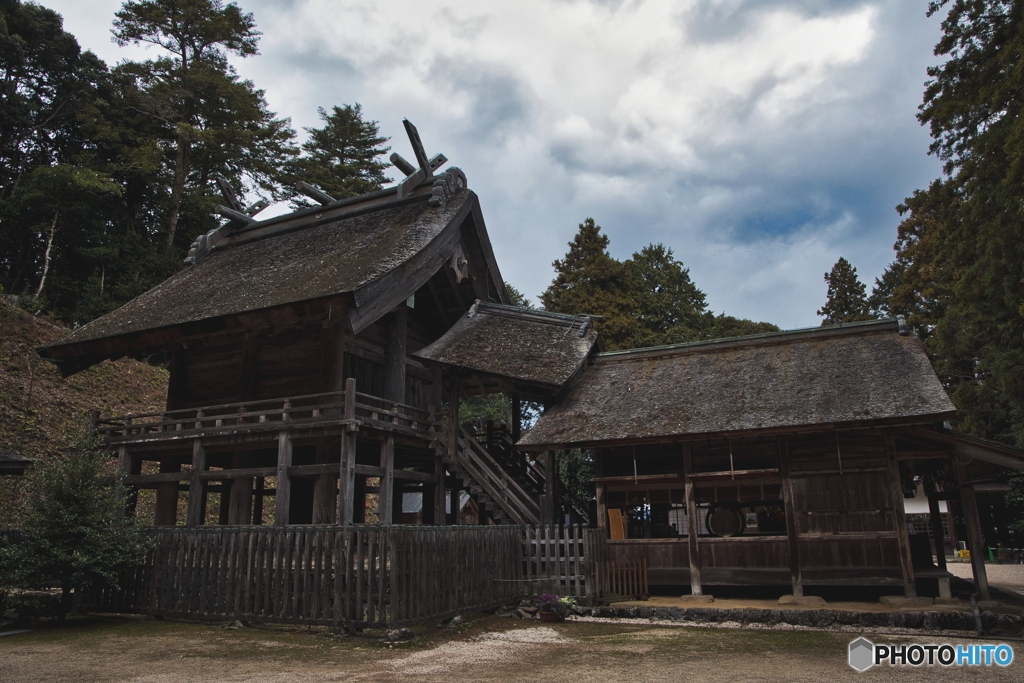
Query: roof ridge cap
(861,327)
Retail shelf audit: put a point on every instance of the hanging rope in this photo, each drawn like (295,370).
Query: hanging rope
(634,465)
(732,466)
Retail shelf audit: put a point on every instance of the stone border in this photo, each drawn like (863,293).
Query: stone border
(951,620)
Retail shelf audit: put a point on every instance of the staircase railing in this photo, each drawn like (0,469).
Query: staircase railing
(506,492)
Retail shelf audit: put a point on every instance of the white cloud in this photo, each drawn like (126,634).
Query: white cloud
(760,140)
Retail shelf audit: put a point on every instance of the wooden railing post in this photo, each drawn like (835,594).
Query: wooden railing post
(347,471)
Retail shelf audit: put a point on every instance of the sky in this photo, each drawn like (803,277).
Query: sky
(759,139)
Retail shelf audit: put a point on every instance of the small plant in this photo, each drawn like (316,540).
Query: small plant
(552,603)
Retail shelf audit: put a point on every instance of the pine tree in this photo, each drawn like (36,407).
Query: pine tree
(76,534)
(590,281)
(214,122)
(670,307)
(961,240)
(341,157)
(847,297)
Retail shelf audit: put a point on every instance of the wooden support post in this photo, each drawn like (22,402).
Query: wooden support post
(196,493)
(283,499)
(257,501)
(385,506)
(517,417)
(692,525)
(166,513)
(938,541)
(453,415)
(975,538)
(359,501)
(599,497)
(394,369)
(438,490)
(240,511)
(899,518)
(324,495)
(347,471)
(796,571)
(548,500)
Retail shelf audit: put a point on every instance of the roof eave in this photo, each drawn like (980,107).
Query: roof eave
(915,420)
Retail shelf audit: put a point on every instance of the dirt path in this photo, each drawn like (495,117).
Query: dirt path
(112,650)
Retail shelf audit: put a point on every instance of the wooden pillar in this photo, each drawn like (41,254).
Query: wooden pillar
(166,513)
(240,505)
(196,494)
(394,368)
(975,538)
(935,515)
(547,499)
(385,506)
(324,495)
(438,490)
(257,501)
(358,511)
(347,471)
(692,525)
(600,500)
(283,500)
(177,381)
(517,417)
(454,494)
(899,518)
(796,571)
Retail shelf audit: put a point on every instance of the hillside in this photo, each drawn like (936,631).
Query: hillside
(39,409)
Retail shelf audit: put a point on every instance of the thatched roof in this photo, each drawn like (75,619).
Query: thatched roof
(521,344)
(854,375)
(306,256)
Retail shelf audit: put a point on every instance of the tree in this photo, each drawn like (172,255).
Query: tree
(847,297)
(517,298)
(722,326)
(341,157)
(213,123)
(960,240)
(589,280)
(45,82)
(670,307)
(76,533)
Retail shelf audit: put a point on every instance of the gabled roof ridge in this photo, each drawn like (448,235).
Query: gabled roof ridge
(844,329)
(534,314)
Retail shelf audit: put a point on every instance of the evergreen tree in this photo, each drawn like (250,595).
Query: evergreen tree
(214,123)
(722,326)
(75,531)
(670,307)
(341,157)
(847,297)
(589,280)
(961,239)
(517,298)
(45,81)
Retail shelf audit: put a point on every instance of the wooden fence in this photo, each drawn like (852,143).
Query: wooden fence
(357,576)
(560,559)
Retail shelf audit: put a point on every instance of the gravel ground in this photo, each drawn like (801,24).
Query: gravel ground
(1005,576)
(108,650)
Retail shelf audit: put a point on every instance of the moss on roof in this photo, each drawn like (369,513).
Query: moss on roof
(334,256)
(518,343)
(839,376)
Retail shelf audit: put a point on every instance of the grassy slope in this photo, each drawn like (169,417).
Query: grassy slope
(39,409)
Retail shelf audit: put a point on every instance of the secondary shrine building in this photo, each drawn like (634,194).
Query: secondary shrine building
(317,359)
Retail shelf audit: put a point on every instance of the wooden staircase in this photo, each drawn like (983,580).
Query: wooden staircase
(501,481)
